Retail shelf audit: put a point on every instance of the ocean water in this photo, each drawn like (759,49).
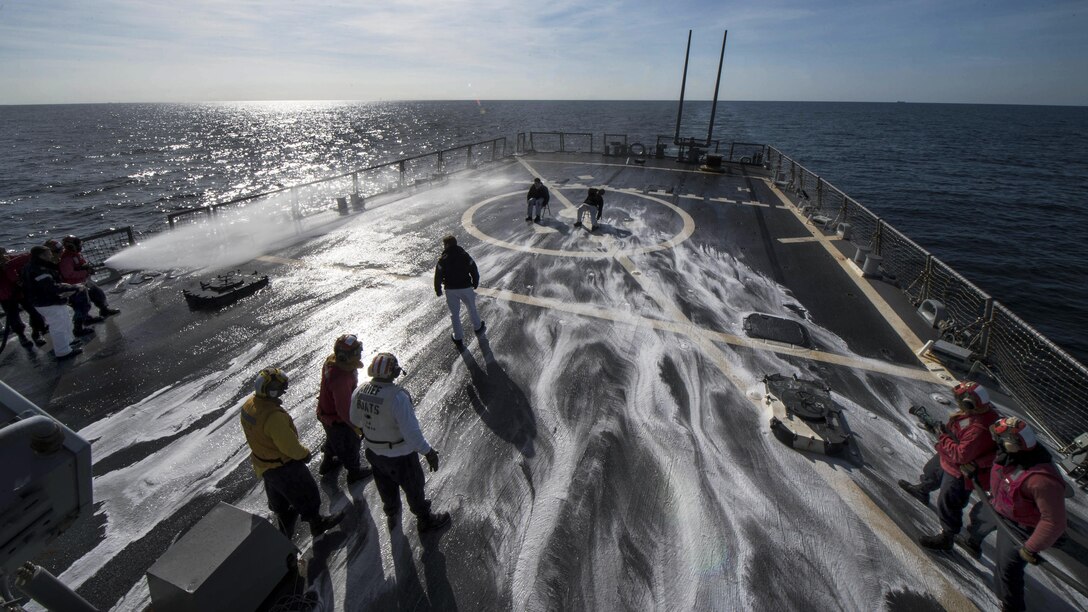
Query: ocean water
(998,192)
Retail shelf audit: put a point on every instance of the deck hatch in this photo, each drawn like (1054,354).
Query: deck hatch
(778,329)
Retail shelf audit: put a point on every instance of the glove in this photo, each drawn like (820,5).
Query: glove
(308,458)
(432,460)
(438,292)
(968,469)
(1029,556)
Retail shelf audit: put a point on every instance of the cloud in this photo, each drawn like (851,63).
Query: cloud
(153,50)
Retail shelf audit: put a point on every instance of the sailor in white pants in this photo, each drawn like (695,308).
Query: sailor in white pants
(454,299)
(456,273)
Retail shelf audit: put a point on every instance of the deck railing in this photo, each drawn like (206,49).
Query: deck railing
(318,196)
(1048,382)
(98,247)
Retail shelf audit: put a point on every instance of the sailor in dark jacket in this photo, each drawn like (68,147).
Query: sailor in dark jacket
(13,299)
(456,271)
(595,199)
(537,197)
(49,296)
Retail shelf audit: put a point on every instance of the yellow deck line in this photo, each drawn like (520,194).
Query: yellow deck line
(802,239)
(890,315)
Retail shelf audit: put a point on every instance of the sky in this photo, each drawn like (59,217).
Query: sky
(962,51)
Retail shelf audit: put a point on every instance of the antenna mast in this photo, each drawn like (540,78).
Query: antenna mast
(714,105)
(683,83)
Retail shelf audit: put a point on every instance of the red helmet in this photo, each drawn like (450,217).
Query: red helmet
(385,366)
(1014,434)
(72,242)
(347,348)
(972,397)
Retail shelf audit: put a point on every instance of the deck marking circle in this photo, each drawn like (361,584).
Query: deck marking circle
(681,236)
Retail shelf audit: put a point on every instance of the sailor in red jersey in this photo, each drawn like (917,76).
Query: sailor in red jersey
(1026,489)
(965,441)
(343,441)
(75,270)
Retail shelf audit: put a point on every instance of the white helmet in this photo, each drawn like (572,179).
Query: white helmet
(384,366)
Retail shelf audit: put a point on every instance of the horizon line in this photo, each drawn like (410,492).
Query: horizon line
(480,100)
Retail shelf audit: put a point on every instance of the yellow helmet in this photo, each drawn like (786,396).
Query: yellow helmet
(270,382)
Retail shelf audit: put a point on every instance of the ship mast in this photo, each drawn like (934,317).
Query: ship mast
(714,105)
(683,83)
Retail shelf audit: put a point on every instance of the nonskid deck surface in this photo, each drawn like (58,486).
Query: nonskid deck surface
(605,445)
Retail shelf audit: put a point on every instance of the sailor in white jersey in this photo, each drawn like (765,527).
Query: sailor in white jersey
(393,439)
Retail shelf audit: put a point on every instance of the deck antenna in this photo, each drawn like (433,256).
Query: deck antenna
(714,105)
(683,83)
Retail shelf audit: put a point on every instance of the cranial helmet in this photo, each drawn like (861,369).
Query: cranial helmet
(347,348)
(384,365)
(53,245)
(1014,434)
(972,397)
(270,382)
(71,242)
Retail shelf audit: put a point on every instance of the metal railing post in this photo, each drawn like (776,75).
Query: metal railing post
(877,236)
(295,210)
(441,160)
(400,179)
(819,193)
(927,287)
(355,183)
(987,325)
(562,143)
(469,160)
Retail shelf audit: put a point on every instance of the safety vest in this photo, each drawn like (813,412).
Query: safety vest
(372,411)
(264,454)
(984,445)
(1007,499)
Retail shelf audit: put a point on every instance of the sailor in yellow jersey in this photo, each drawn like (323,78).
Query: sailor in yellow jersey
(280,459)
